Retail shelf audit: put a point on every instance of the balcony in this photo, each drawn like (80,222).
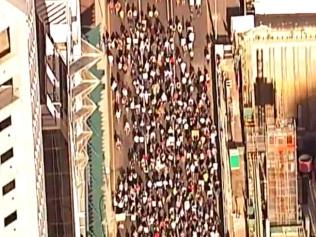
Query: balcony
(51,76)
(48,120)
(81,63)
(83,137)
(51,115)
(82,88)
(52,68)
(53,91)
(7,96)
(85,111)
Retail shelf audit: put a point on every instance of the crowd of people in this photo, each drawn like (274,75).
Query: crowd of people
(171,185)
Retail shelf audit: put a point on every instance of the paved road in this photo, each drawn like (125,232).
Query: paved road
(213,18)
(167,9)
(218,10)
(199,24)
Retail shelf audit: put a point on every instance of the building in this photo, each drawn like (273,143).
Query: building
(275,58)
(263,7)
(66,84)
(231,147)
(23,201)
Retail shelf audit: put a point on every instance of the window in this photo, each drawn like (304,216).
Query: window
(289,140)
(4,43)
(10,218)
(8,83)
(5,123)
(8,187)
(6,155)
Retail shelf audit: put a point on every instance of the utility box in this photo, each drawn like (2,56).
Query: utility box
(234,158)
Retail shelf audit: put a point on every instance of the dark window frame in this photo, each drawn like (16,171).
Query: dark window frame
(8,82)
(8,187)
(10,218)
(7,155)
(7,50)
(5,123)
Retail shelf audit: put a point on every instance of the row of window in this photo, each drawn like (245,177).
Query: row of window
(5,49)
(9,153)
(8,187)
(5,190)
(5,156)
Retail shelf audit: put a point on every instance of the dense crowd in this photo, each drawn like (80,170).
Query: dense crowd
(171,185)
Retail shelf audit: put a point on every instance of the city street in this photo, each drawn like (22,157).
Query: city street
(167,10)
(211,9)
(182,12)
(212,21)
(201,24)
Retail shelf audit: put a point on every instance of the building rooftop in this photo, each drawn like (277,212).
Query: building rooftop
(286,20)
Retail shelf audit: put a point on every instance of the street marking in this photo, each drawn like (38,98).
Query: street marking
(108,19)
(208,17)
(171,9)
(312,220)
(139,7)
(168,17)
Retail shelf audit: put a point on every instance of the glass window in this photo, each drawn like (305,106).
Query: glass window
(10,218)
(4,43)
(8,82)
(289,139)
(5,123)
(8,187)
(6,155)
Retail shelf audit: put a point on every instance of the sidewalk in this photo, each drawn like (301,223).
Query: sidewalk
(108,151)
(238,218)
(102,19)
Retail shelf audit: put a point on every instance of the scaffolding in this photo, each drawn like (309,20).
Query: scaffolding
(281,174)
(255,147)
(271,142)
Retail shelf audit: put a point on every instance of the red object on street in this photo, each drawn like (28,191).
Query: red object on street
(172,60)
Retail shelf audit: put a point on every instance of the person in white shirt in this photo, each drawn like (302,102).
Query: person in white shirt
(118,114)
(110,59)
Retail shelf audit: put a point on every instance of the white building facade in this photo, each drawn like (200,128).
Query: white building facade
(284,6)
(22,198)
